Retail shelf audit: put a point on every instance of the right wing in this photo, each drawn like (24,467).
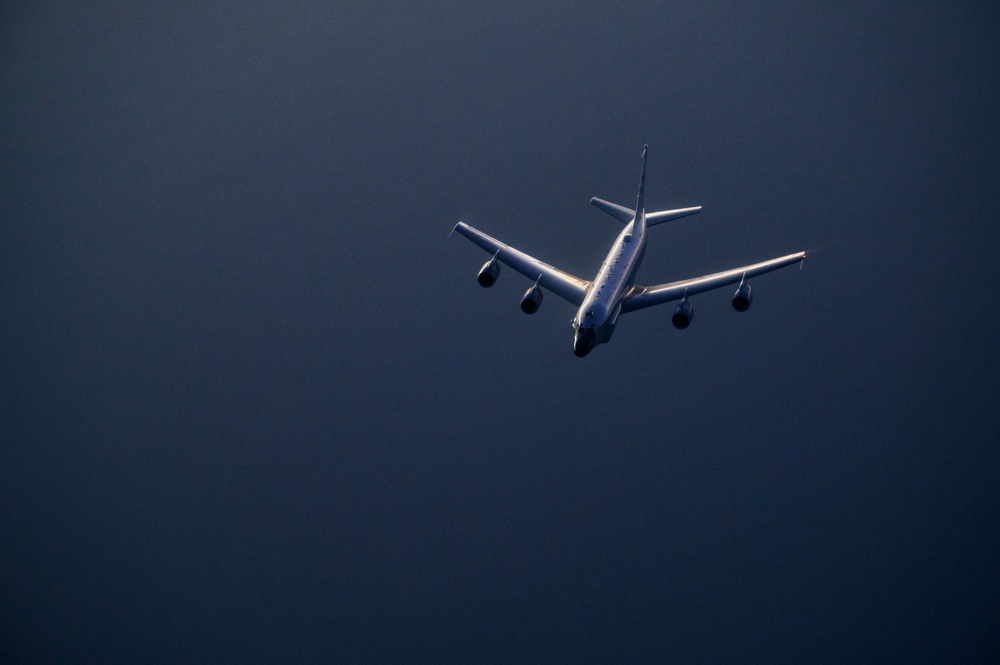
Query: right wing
(562,284)
(647,296)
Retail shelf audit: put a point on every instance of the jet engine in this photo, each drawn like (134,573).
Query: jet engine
(532,300)
(742,298)
(488,273)
(683,315)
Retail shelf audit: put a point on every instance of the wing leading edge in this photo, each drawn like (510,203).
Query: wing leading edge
(647,296)
(564,285)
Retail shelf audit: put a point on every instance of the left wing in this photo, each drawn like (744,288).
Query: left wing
(647,296)
(562,284)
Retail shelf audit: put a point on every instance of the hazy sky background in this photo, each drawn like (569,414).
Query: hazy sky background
(256,409)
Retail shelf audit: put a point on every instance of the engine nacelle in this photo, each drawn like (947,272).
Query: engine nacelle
(532,300)
(683,315)
(742,298)
(488,274)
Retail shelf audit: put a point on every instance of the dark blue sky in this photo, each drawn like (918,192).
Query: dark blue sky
(255,408)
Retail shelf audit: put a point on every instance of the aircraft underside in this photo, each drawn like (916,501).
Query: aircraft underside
(613,290)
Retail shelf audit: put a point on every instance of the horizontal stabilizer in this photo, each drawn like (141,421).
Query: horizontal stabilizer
(625,215)
(653,218)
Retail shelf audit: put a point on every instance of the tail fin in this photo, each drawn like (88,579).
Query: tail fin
(640,202)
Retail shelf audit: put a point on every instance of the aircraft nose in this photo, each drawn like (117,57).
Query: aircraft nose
(584,342)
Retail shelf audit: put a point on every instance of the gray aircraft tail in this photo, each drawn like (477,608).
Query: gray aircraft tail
(640,202)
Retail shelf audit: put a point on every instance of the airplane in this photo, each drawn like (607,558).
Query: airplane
(613,292)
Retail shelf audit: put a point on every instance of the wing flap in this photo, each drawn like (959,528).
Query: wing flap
(566,286)
(647,296)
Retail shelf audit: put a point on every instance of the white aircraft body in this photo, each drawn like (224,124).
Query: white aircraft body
(613,291)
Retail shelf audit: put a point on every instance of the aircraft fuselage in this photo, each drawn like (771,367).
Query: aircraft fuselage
(614,291)
(595,321)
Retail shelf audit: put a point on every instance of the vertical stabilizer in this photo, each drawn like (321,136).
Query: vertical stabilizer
(640,203)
